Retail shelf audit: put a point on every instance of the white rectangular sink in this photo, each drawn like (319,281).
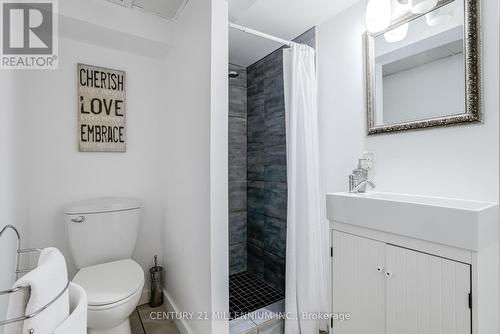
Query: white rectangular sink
(452,222)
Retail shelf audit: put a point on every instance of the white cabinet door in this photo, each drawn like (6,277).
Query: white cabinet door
(426,294)
(358,284)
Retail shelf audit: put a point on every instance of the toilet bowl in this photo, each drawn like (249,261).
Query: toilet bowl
(115,315)
(113,291)
(102,234)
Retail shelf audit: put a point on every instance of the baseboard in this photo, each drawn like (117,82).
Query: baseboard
(171,307)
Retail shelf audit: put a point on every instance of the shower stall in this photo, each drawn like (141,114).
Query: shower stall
(258,183)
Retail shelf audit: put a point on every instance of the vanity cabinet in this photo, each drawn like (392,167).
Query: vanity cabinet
(390,289)
(358,284)
(408,264)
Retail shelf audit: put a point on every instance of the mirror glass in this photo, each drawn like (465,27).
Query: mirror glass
(418,68)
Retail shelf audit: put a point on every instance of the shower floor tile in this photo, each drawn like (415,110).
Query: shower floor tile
(248,293)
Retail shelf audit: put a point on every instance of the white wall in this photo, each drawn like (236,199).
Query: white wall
(219,225)
(51,171)
(7,187)
(460,161)
(341,102)
(195,232)
(176,159)
(41,168)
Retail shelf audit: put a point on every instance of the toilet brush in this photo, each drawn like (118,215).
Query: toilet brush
(156,284)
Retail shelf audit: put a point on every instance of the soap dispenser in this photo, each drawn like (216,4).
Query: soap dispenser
(360,175)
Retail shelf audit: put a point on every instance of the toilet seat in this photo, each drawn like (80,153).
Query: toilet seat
(110,284)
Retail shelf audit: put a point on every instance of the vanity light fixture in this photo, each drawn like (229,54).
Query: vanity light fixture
(397,34)
(378,15)
(422,6)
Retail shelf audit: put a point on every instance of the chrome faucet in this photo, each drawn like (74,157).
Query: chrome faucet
(356,188)
(359,179)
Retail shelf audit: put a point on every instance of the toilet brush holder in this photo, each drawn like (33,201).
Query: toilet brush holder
(156,274)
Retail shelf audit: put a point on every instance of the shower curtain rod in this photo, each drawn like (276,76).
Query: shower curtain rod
(260,34)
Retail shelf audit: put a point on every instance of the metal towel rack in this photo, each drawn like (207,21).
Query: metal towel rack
(20,270)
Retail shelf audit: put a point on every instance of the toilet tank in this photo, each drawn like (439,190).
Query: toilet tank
(102,229)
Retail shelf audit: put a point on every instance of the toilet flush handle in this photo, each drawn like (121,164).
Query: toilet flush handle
(79,219)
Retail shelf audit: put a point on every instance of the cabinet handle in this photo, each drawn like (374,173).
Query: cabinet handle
(388,273)
(380,269)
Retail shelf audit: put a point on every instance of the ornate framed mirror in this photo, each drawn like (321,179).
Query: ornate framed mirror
(425,69)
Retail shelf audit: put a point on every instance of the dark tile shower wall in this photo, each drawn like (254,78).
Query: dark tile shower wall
(266,167)
(238,171)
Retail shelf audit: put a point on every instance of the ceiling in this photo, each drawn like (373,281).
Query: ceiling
(168,9)
(286,19)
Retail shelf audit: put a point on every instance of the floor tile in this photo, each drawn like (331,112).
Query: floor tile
(135,323)
(160,326)
(242,325)
(274,328)
(268,314)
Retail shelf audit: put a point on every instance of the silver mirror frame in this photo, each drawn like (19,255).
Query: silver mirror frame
(473,75)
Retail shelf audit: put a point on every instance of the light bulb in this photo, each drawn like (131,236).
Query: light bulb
(436,20)
(378,15)
(397,34)
(422,6)
(440,16)
(399,9)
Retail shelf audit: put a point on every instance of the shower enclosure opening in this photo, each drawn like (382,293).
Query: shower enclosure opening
(258,184)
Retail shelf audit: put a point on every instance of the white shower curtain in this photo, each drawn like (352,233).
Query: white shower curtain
(307,232)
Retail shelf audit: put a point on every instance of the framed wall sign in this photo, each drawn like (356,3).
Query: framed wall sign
(101,109)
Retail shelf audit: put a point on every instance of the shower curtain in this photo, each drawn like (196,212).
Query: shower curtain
(307,233)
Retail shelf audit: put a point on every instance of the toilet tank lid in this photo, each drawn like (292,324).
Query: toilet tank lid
(102,205)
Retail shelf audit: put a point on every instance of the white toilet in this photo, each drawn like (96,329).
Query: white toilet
(102,234)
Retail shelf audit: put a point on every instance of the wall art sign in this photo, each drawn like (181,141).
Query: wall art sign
(101,109)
